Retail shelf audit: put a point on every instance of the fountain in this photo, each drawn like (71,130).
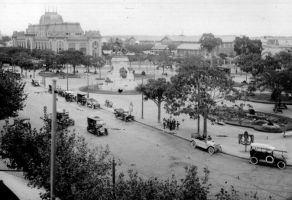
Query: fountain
(119,78)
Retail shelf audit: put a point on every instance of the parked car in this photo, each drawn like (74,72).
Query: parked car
(92,103)
(208,144)
(267,154)
(96,126)
(69,96)
(123,115)
(63,120)
(81,99)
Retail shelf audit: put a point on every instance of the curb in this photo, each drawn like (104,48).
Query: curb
(268,102)
(188,140)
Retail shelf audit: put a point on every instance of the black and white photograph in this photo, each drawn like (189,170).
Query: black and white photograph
(145,100)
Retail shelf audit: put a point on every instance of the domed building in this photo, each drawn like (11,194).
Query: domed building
(55,34)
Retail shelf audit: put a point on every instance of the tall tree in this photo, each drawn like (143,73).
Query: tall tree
(72,57)
(244,45)
(12,96)
(196,89)
(209,42)
(155,90)
(98,62)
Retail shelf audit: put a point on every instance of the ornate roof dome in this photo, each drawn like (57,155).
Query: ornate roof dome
(51,18)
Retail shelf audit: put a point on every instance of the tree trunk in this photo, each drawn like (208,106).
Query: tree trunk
(198,125)
(159,111)
(205,124)
(74,69)
(94,69)
(99,72)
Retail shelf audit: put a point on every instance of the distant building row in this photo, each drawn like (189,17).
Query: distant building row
(54,34)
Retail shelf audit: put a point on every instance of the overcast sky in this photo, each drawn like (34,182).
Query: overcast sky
(156,17)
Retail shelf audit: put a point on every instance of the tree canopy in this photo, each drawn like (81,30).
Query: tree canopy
(196,89)
(208,41)
(156,91)
(72,57)
(12,96)
(244,45)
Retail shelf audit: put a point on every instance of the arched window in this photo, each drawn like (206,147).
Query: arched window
(60,46)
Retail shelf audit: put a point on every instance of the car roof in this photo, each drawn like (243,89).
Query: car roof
(264,146)
(94,117)
(68,91)
(91,99)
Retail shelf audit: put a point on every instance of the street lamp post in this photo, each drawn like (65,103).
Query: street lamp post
(53,145)
(142,111)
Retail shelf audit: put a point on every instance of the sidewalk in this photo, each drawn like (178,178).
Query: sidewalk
(225,135)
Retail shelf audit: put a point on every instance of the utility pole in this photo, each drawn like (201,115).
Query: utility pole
(114,178)
(67,78)
(199,99)
(142,112)
(87,81)
(53,145)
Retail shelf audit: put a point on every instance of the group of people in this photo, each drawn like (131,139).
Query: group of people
(171,124)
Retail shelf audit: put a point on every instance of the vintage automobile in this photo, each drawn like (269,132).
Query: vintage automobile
(61,92)
(267,154)
(69,96)
(35,83)
(81,99)
(123,115)
(108,103)
(92,103)
(96,126)
(63,120)
(208,144)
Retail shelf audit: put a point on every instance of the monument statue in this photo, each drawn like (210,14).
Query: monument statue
(120,78)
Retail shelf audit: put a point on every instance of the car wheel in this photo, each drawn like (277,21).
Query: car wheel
(281,164)
(194,144)
(254,160)
(211,150)
(270,159)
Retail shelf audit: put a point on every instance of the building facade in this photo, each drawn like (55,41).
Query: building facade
(189,49)
(54,34)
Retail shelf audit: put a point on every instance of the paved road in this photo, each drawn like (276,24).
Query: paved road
(154,153)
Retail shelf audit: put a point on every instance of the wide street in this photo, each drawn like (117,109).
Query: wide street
(154,153)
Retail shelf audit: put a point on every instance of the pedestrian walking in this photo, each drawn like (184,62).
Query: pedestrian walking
(177,125)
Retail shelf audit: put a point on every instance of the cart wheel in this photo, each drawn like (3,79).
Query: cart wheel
(281,164)
(211,150)
(194,144)
(254,160)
